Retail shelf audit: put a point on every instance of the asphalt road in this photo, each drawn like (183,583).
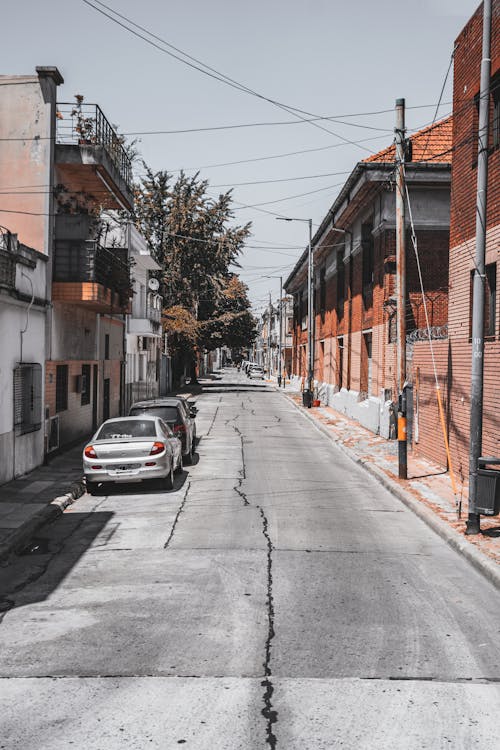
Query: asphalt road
(278,597)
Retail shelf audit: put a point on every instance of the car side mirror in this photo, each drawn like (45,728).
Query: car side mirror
(193,411)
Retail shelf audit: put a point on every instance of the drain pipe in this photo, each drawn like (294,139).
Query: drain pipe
(23,331)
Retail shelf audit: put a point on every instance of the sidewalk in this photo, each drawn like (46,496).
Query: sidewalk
(427,491)
(38,497)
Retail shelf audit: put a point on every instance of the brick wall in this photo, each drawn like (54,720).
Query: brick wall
(453,357)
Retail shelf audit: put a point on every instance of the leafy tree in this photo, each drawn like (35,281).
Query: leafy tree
(191,236)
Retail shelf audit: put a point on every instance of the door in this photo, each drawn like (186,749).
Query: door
(105,400)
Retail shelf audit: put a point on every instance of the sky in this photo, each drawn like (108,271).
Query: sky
(330,58)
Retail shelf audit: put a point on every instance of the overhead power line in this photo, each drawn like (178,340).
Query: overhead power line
(202,67)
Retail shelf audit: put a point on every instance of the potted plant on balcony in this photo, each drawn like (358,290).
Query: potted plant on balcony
(85,125)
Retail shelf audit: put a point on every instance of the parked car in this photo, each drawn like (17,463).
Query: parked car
(256,372)
(127,449)
(179,414)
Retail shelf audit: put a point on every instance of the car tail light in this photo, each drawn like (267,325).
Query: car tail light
(179,428)
(97,466)
(150,463)
(90,452)
(157,448)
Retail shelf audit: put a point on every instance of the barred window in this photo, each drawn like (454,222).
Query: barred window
(85,399)
(61,388)
(27,398)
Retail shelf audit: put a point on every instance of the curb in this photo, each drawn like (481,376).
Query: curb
(483,564)
(20,537)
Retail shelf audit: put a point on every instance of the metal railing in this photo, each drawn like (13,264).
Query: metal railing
(153,313)
(88,261)
(85,124)
(7,261)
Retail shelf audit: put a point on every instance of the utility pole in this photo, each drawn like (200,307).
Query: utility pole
(401,286)
(280,367)
(477,366)
(269,338)
(310,316)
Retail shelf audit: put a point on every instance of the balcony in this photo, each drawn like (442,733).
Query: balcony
(7,262)
(90,157)
(91,276)
(149,325)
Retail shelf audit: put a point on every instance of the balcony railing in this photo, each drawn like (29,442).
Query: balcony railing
(85,124)
(87,261)
(153,313)
(7,261)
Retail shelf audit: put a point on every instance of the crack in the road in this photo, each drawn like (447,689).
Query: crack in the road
(9,602)
(269,713)
(213,419)
(179,511)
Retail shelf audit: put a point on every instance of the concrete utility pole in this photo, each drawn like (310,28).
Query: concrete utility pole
(401,285)
(477,367)
(280,365)
(269,337)
(310,315)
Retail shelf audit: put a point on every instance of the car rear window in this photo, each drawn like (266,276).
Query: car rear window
(132,428)
(167,413)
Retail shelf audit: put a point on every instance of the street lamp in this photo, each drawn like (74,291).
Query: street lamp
(310,311)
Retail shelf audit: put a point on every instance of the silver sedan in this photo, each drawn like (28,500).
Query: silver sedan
(131,449)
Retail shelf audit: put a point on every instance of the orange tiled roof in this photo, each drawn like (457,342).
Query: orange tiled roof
(432,143)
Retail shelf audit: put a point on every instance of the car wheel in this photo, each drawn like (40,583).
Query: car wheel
(180,465)
(168,481)
(92,488)
(188,457)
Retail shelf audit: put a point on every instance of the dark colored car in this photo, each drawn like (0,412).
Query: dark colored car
(179,414)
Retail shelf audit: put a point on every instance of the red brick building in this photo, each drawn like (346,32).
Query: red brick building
(454,355)
(354,278)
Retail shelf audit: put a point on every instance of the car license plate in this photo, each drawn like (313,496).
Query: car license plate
(127,467)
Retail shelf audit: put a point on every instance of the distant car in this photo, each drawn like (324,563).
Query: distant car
(179,414)
(129,449)
(256,373)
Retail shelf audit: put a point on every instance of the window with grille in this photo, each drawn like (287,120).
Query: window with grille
(85,399)
(61,388)
(27,398)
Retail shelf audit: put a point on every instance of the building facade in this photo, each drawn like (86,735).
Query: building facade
(23,320)
(454,356)
(62,164)
(354,304)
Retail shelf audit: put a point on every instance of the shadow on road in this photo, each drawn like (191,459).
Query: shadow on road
(33,574)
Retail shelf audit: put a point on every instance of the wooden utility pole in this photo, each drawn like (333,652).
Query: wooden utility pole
(401,286)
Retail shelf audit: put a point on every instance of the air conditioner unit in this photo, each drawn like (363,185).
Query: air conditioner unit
(53,434)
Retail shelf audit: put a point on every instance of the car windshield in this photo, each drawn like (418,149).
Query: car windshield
(127,428)
(167,413)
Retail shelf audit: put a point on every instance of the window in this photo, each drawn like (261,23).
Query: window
(85,399)
(106,346)
(490,306)
(368,262)
(61,388)
(27,398)
(495,125)
(340,283)
(322,292)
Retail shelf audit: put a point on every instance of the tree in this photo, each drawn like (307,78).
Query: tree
(191,236)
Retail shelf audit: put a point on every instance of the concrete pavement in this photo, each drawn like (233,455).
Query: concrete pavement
(37,498)
(278,597)
(427,491)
